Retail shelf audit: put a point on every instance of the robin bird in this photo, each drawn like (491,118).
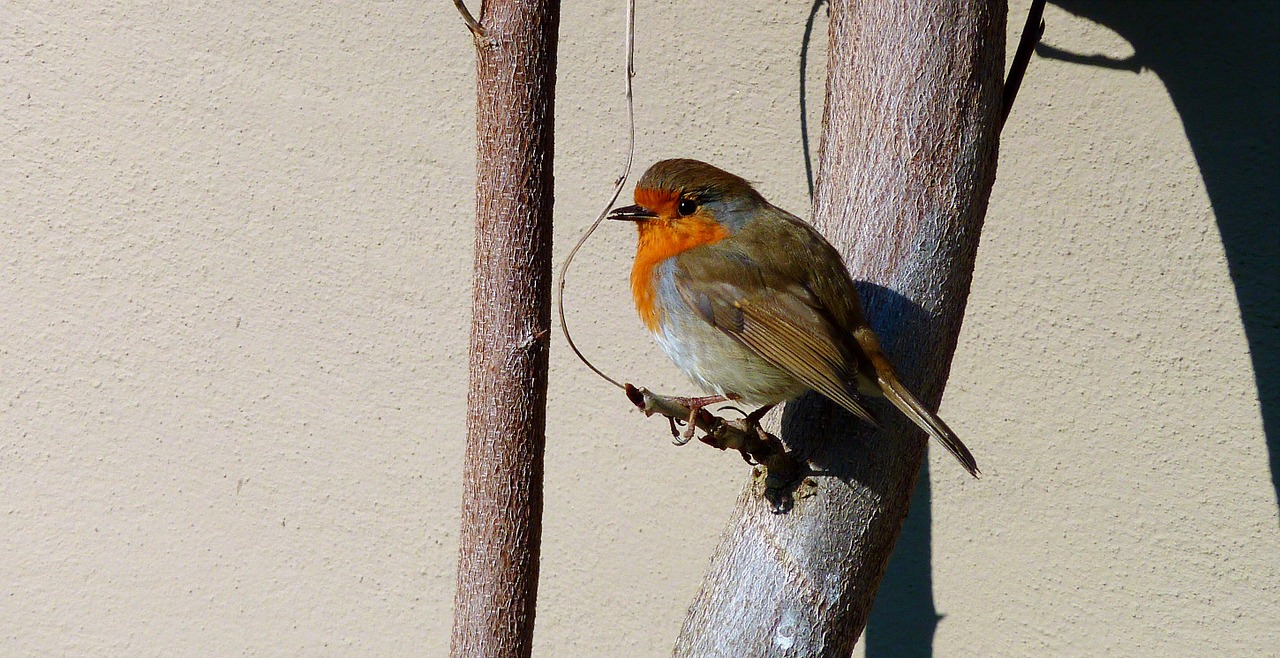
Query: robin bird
(752,303)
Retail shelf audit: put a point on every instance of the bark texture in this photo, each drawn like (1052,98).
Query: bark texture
(910,134)
(511,303)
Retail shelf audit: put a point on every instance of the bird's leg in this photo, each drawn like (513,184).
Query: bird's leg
(695,406)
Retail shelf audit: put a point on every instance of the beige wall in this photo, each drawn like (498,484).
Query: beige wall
(235,261)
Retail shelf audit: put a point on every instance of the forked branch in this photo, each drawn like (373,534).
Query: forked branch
(477,30)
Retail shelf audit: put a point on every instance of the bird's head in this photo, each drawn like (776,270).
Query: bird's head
(690,198)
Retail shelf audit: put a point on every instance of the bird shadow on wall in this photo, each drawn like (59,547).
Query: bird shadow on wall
(1220,63)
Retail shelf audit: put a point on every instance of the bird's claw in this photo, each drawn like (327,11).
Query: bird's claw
(691,427)
(679,438)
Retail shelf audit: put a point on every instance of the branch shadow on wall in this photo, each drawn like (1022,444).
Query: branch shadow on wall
(1220,62)
(904,619)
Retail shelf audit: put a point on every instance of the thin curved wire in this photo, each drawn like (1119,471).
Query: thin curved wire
(617,189)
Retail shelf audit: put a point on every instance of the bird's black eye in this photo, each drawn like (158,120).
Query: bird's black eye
(686,207)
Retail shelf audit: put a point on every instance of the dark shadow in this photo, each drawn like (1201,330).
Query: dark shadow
(1129,63)
(904,619)
(1221,64)
(804,106)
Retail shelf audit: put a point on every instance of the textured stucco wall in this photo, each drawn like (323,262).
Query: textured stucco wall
(234,265)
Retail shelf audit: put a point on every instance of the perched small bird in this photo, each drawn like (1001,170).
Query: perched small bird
(752,303)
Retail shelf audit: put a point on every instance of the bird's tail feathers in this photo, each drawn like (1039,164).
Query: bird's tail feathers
(927,420)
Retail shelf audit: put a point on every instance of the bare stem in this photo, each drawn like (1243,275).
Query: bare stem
(477,30)
(1031,33)
(628,74)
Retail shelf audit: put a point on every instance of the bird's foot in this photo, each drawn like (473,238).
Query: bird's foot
(695,405)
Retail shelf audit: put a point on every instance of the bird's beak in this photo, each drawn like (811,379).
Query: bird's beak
(632,214)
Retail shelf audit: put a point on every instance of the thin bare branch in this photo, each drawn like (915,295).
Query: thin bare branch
(1031,33)
(499,547)
(617,190)
(477,30)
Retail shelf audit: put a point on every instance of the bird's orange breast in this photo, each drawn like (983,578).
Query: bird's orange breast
(661,239)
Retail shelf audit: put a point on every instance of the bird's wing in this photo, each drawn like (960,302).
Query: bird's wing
(794,305)
(784,324)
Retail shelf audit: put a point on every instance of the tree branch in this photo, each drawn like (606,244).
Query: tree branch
(1032,31)
(499,543)
(913,112)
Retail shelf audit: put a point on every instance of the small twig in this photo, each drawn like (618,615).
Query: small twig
(755,444)
(1031,33)
(477,30)
(617,189)
(531,339)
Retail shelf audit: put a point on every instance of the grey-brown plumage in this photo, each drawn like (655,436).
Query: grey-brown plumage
(753,303)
